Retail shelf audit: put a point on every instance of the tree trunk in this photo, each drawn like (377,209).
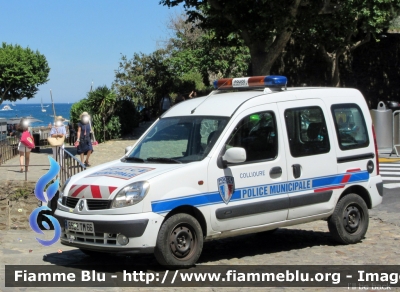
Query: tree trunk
(263,53)
(334,70)
(259,63)
(333,58)
(333,61)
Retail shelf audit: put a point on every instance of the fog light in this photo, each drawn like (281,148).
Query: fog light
(122,239)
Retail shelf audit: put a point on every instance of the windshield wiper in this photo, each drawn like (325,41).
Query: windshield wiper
(163,160)
(134,159)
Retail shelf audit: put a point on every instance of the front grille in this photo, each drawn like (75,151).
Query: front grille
(98,204)
(70,202)
(92,204)
(98,238)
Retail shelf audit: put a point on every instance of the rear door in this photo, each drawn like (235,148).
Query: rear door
(310,156)
(242,192)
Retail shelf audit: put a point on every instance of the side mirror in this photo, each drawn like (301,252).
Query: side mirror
(127,149)
(234,155)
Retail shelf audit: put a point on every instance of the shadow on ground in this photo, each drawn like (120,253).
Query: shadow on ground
(213,251)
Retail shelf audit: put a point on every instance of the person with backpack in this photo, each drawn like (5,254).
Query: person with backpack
(84,142)
(25,145)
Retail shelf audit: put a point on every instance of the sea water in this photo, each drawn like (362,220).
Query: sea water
(35,110)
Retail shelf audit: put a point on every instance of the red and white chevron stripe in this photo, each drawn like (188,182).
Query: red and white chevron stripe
(91,191)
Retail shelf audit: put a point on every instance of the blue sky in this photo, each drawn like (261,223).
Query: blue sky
(82,40)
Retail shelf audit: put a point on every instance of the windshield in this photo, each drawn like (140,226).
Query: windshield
(178,140)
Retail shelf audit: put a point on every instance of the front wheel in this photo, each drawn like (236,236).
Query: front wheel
(179,241)
(349,222)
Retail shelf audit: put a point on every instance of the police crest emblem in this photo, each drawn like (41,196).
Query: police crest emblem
(226,187)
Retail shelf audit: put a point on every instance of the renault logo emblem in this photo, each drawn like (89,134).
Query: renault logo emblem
(81,205)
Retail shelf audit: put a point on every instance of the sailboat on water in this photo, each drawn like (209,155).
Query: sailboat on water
(43,109)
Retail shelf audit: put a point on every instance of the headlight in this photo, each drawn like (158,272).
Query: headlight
(131,194)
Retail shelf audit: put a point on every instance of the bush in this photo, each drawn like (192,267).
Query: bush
(111,117)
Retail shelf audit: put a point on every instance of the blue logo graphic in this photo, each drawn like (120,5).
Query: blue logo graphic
(45,198)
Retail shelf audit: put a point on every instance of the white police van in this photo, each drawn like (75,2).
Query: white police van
(252,156)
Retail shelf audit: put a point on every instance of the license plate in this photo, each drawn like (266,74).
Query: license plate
(79,226)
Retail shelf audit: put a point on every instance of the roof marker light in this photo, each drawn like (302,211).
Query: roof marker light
(258,81)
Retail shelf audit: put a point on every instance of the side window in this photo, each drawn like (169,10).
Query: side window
(208,128)
(307,131)
(350,126)
(256,133)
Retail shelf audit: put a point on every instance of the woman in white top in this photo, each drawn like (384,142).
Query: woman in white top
(58,131)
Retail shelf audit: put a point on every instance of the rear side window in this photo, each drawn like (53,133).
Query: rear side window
(307,131)
(350,126)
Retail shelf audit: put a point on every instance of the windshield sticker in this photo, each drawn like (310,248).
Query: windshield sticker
(121,172)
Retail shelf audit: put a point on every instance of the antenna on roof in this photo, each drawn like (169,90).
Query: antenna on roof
(211,93)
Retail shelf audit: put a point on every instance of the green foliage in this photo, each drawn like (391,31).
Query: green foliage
(190,60)
(111,116)
(113,128)
(346,23)
(264,26)
(395,25)
(20,193)
(78,108)
(126,111)
(144,79)
(205,56)
(21,72)
(343,26)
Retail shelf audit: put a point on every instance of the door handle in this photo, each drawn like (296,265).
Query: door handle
(296,170)
(275,172)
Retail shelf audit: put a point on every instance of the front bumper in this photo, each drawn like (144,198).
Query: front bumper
(141,230)
(129,228)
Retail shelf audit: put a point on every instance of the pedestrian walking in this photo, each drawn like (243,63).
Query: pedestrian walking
(58,131)
(25,145)
(83,142)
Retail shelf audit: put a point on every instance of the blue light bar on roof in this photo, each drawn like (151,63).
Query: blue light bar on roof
(258,81)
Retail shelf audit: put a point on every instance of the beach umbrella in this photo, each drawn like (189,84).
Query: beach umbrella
(17,120)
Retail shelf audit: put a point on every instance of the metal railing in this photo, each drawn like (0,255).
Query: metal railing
(69,164)
(8,148)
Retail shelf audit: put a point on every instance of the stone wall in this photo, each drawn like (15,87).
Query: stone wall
(17,201)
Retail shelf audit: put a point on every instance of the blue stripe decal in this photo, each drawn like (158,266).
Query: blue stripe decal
(252,192)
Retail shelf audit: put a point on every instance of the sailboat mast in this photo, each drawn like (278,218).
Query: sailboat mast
(54,109)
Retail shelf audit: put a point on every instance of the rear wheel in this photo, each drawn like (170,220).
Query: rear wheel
(349,222)
(179,241)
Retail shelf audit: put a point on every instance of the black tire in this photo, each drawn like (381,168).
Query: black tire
(179,241)
(349,222)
